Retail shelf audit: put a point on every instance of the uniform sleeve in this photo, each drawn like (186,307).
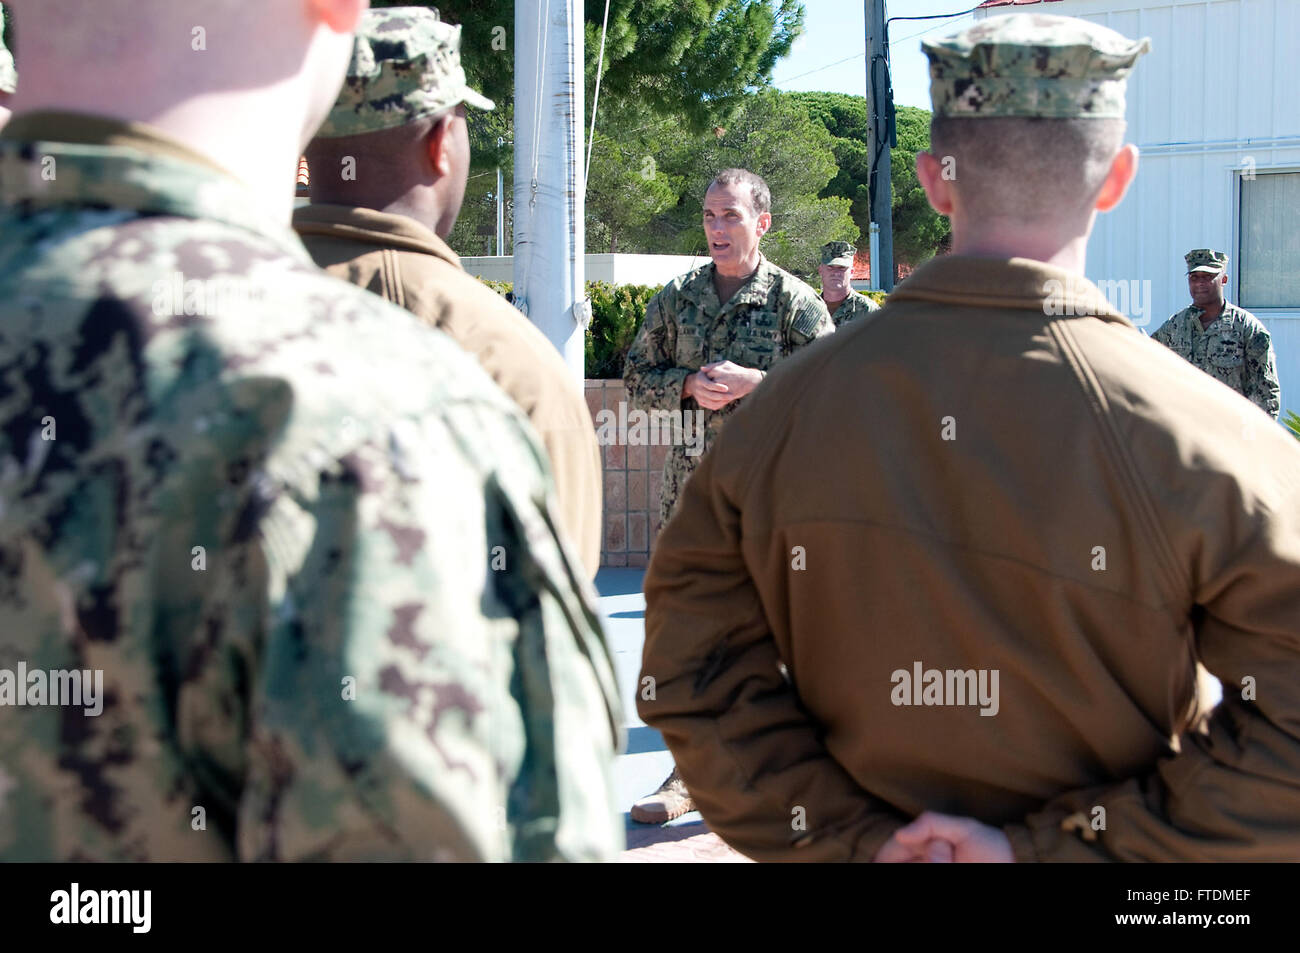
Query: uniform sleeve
(574,454)
(435,684)
(1232,793)
(808,321)
(753,759)
(1261,383)
(651,373)
(1164,333)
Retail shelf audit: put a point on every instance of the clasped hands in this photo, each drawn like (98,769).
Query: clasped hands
(944,839)
(717,384)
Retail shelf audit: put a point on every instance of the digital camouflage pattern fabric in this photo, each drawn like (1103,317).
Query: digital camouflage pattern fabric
(307,542)
(1207,260)
(1235,349)
(1032,65)
(839,254)
(853,307)
(405,66)
(686,327)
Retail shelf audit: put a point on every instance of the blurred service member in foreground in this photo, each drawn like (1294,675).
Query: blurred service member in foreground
(255,505)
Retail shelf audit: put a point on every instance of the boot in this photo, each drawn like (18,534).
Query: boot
(672,800)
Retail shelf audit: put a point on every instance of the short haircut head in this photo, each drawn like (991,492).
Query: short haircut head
(1030,170)
(760,196)
(383,162)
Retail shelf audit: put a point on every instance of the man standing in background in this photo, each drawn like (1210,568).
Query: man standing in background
(708,340)
(1225,341)
(841,300)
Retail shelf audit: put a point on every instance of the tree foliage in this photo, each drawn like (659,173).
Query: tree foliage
(919,231)
(689,59)
(684,95)
(772,135)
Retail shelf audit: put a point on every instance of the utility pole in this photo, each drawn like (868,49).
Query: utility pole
(501,214)
(549,209)
(879,108)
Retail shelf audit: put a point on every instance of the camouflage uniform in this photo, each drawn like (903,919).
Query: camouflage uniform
(8,74)
(853,307)
(841,255)
(306,540)
(687,327)
(405,65)
(1036,66)
(1235,348)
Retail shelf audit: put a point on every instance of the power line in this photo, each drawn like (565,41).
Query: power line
(846,59)
(936,16)
(931,16)
(930,29)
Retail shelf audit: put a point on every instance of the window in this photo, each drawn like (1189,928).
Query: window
(1270,241)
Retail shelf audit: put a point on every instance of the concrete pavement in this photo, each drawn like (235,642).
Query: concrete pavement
(646,761)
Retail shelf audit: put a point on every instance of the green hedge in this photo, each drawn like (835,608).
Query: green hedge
(616,315)
(1291,421)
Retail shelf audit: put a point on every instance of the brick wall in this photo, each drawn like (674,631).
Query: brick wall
(632,476)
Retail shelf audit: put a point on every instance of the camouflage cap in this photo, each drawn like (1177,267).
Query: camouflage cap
(839,254)
(1206,260)
(8,73)
(1032,65)
(405,66)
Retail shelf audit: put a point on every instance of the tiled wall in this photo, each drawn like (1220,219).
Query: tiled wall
(632,476)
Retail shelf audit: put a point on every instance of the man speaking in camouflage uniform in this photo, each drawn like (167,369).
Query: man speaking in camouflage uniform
(708,339)
(939,590)
(300,536)
(841,300)
(1225,341)
(388,173)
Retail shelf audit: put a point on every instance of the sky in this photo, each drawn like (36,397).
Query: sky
(831,54)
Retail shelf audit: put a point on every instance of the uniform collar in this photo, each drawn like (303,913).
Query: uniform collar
(98,162)
(1019,284)
(1194,314)
(373,227)
(754,291)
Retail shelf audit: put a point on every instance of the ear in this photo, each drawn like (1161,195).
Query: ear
(1123,169)
(764,223)
(937,188)
(341,16)
(437,144)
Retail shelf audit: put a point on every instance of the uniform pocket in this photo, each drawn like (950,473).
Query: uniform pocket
(690,347)
(1225,353)
(758,343)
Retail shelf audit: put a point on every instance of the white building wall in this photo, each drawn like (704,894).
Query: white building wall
(1220,87)
(615,269)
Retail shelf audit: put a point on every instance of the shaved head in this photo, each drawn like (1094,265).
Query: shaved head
(245,83)
(418,169)
(370,167)
(1027,171)
(140,59)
